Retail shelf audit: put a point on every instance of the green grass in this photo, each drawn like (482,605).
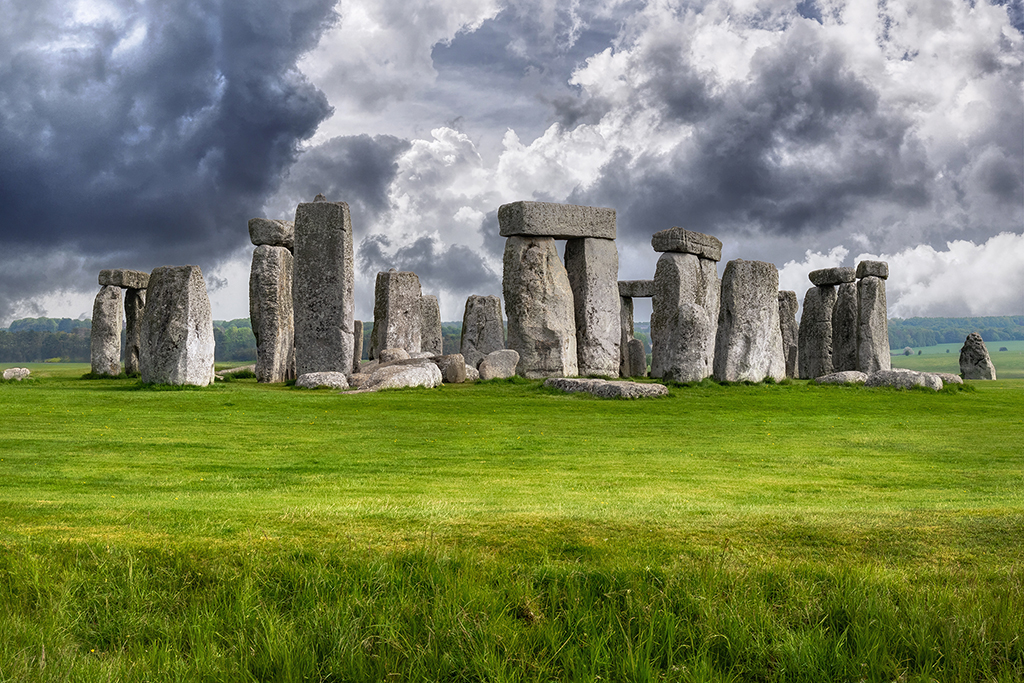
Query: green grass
(1009,364)
(503,532)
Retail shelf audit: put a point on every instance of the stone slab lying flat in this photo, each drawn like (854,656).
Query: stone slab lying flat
(873,268)
(844,377)
(949,378)
(832,276)
(331,380)
(17,374)
(903,379)
(123,278)
(636,289)
(561,221)
(603,388)
(683,241)
(272,233)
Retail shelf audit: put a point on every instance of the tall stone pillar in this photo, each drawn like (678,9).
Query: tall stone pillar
(748,345)
(483,330)
(684,318)
(431,340)
(271,313)
(873,320)
(397,312)
(625,334)
(844,328)
(322,287)
(789,329)
(593,268)
(134,308)
(815,335)
(105,338)
(177,328)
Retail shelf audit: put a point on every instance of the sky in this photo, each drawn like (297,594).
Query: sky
(810,133)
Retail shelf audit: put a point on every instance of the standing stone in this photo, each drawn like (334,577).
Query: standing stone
(637,358)
(975,363)
(815,335)
(872,326)
(593,269)
(271,313)
(396,312)
(357,346)
(625,334)
(684,319)
(272,233)
(482,329)
(430,326)
(323,288)
(105,339)
(790,333)
(748,346)
(177,328)
(539,307)
(134,308)
(844,328)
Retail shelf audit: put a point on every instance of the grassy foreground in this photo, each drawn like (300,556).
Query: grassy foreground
(500,531)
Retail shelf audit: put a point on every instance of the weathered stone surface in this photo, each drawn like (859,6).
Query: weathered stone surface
(844,328)
(748,347)
(560,221)
(357,344)
(683,241)
(472,374)
(125,279)
(482,329)
(271,313)
(322,288)
(636,289)
(314,380)
(452,367)
(873,268)
(815,334)
(421,354)
(593,269)
(396,312)
(844,377)
(272,233)
(625,334)
(430,326)
(391,355)
(684,318)
(603,388)
(975,363)
(832,276)
(872,326)
(903,379)
(790,332)
(16,374)
(134,307)
(424,373)
(637,358)
(105,339)
(539,307)
(949,378)
(500,364)
(177,328)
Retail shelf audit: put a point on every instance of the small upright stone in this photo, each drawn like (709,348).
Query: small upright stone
(272,233)
(396,312)
(844,328)
(683,241)
(832,276)
(975,363)
(593,269)
(271,313)
(430,326)
(123,278)
(482,329)
(452,367)
(873,268)
(748,347)
(560,221)
(790,331)
(637,358)
(815,334)
(105,338)
(134,308)
(499,364)
(872,326)
(177,328)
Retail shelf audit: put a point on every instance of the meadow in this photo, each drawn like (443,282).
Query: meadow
(946,358)
(504,532)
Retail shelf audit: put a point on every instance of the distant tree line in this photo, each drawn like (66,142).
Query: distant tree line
(919,332)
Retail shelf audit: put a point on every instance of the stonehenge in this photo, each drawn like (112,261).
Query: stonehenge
(105,340)
(177,328)
(631,362)
(872,317)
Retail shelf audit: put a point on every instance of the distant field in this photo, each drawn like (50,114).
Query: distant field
(501,531)
(946,358)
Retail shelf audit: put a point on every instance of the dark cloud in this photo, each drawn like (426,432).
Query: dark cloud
(456,269)
(149,137)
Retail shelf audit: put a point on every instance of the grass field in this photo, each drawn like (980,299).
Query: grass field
(500,531)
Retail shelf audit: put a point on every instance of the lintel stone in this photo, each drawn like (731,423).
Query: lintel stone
(683,241)
(636,289)
(123,278)
(875,268)
(561,221)
(832,276)
(272,233)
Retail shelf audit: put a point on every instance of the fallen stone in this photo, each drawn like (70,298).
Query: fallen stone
(844,377)
(271,313)
(16,374)
(134,308)
(315,380)
(844,328)
(872,325)
(560,221)
(832,276)
(430,326)
(482,329)
(636,289)
(790,331)
(975,363)
(903,379)
(105,337)
(125,279)
(272,233)
(637,358)
(472,374)
(452,367)
(422,374)
(391,355)
(748,347)
(684,317)
(814,345)
(593,269)
(683,241)
(396,312)
(949,378)
(873,269)
(603,388)
(539,307)
(177,328)
(323,288)
(498,364)
(357,344)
